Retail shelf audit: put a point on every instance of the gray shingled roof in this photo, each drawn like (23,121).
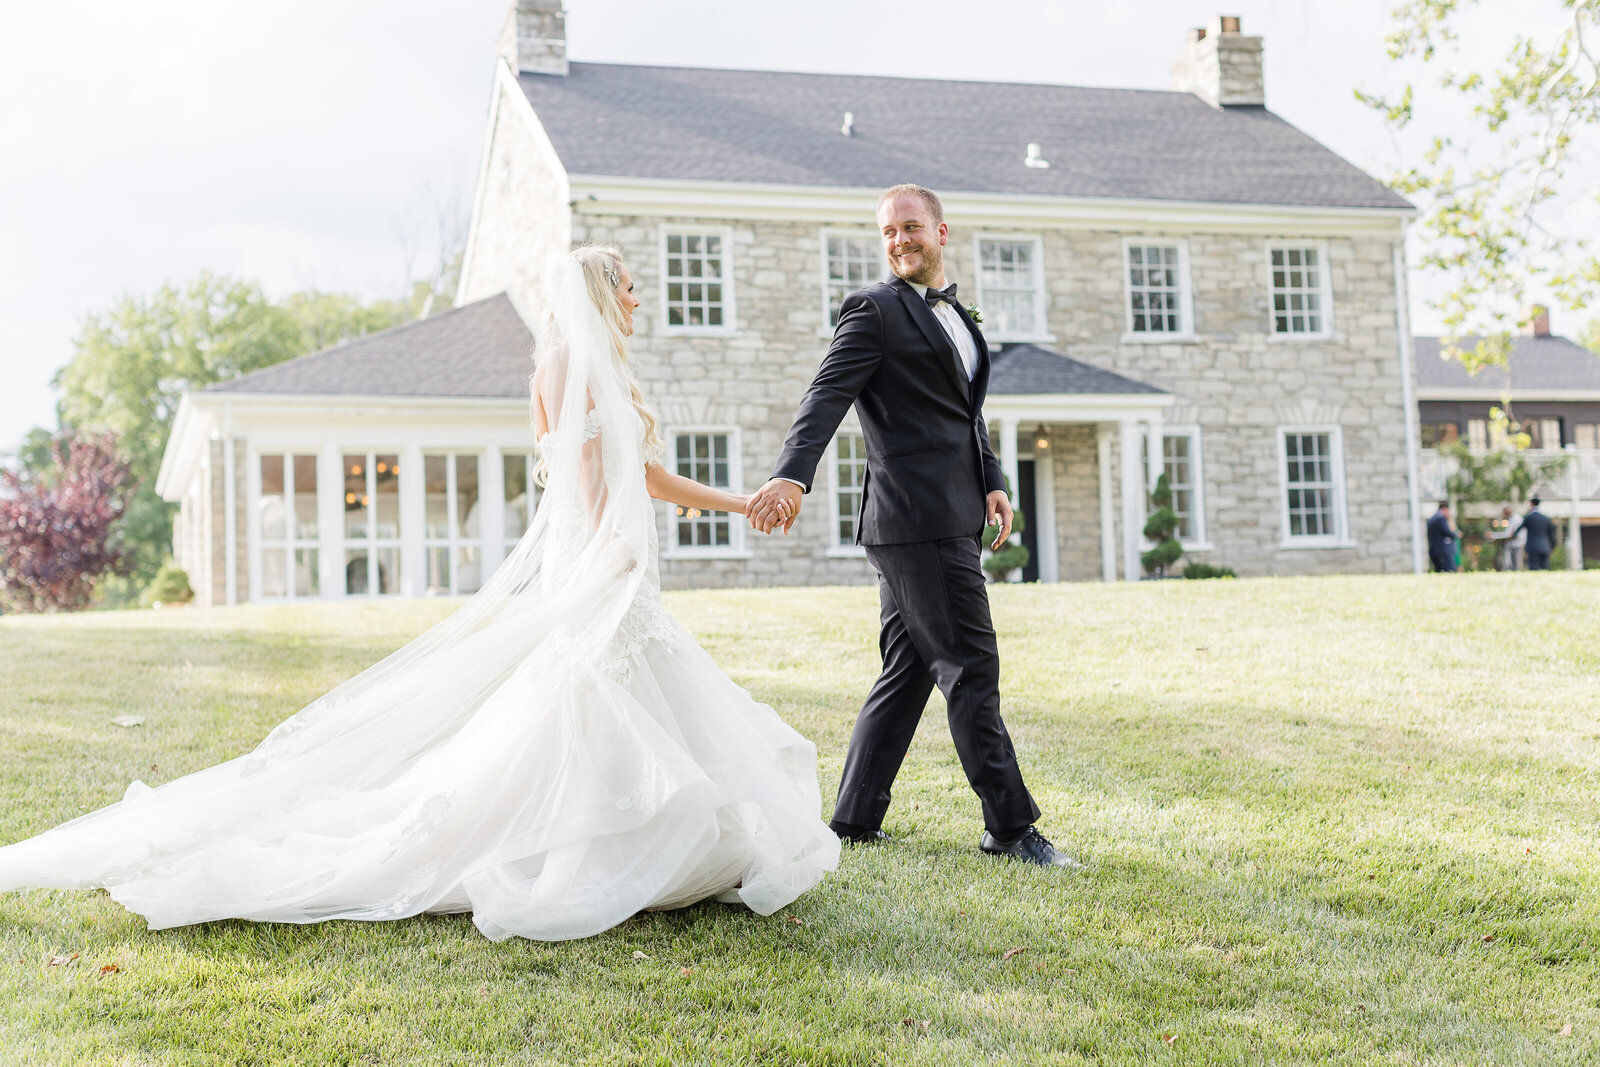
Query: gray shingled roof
(1536,363)
(781,128)
(479,349)
(1021,369)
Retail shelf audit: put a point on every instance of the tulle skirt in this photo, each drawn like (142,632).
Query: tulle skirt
(548,812)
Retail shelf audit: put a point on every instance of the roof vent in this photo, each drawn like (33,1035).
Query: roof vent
(848,129)
(1034,159)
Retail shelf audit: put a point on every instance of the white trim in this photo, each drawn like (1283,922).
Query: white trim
(1340,538)
(1043,519)
(1199,543)
(836,550)
(1075,407)
(736,547)
(453,542)
(826,330)
(1495,396)
(730,316)
(1186,326)
(1324,290)
(596,194)
(291,542)
(1411,416)
(1041,296)
(230,511)
(1108,522)
(1133,501)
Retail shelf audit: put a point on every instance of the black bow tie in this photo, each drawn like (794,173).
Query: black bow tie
(933,296)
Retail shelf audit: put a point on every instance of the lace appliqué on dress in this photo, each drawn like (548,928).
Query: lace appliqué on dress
(646,621)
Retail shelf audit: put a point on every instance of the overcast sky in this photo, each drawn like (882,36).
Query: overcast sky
(304,143)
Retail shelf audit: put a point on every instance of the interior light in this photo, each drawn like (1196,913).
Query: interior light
(355,469)
(383,468)
(349,498)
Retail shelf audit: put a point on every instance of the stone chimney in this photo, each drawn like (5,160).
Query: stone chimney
(534,38)
(1538,324)
(1221,66)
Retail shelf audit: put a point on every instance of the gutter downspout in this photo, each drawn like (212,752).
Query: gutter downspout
(1408,396)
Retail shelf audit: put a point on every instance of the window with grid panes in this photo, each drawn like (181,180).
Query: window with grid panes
(852,261)
(1009,284)
(1298,296)
(452,535)
(850,474)
(1309,481)
(521,496)
(287,517)
(696,279)
(1178,462)
(371,523)
(705,458)
(1155,289)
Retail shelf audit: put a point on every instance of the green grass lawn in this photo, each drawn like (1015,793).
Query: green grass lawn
(1337,819)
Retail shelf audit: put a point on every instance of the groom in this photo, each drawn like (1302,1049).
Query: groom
(915,366)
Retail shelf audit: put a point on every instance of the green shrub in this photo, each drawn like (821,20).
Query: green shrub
(1193,569)
(1159,527)
(169,586)
(1558,558)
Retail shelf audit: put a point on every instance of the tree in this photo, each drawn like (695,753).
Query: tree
(1485,228)
(1160,527)
(134,361)
(57,528)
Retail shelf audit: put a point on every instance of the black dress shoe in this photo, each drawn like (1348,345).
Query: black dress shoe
(1032,847)
(862,837)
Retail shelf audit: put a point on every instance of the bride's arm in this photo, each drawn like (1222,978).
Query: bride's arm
(686,492)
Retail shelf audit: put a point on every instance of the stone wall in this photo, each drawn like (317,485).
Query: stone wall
(1239,384)
(1074,463)
(522,216)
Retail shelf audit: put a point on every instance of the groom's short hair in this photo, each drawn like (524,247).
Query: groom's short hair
(926,195)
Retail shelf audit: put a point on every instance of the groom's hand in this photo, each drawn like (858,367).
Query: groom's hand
(775,504)
(999,515)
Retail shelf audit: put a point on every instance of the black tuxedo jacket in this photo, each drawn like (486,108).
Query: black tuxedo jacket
(1540,530)
(929,464)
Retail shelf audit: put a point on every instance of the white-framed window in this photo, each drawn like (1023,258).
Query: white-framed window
(371,550)
(1011,291)
(1160,305)
(697,279)
(847,471)
(521,495)
(286,523)
(1180,460)
(851,259)
(1311,462)
(1300,290)
(710,456)
(452,533)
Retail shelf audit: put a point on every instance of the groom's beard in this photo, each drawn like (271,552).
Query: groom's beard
(929,270)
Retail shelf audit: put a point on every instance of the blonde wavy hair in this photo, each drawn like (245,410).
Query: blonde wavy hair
(602,273)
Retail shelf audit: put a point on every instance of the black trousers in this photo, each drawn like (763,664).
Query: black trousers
(936,631)
(1538,561)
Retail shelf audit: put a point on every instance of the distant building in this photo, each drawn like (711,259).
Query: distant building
(1554,387)
(1171,281)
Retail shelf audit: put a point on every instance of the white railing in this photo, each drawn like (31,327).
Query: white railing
(1578,481)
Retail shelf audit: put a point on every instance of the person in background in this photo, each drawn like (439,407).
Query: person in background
(1511,537)
(1442,538)
(1541,537)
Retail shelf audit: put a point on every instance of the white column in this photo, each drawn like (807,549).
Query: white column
(330,521)
(1008,466)
(1155,453)
(1133,491)
(252,518)
(1108,521)
(492,508)
(1044,519)
(1574,522)
(1008,456)
(230,517)
(413,516)
(1408,400)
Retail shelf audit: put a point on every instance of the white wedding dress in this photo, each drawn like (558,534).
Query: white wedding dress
(555,757)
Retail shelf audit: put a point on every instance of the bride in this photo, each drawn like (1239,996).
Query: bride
(554,757)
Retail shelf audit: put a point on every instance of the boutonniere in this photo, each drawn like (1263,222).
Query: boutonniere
(975,315)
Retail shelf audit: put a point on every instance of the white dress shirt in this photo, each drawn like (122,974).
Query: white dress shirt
(955,329)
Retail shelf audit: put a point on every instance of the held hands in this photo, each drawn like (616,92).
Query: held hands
(773,505)
(999,514)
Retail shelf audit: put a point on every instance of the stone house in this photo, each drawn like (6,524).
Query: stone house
(1173,281)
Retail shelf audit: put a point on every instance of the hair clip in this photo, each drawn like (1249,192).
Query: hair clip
(612,275)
